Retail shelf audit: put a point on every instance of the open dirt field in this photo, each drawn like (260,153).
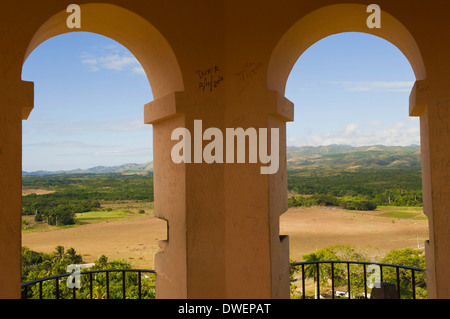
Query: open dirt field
(309,229)
(133,239)
(29,191)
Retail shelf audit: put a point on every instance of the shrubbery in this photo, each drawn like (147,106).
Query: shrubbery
(351,203)
(385,187)
(79,193)
(37,265)
(404,257)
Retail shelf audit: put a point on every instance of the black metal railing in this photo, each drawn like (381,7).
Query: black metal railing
(312,269)
(56,289)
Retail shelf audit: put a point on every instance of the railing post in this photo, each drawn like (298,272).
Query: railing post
(57,288)
(318,282)
(303,282)
(90,285)
(365,281)
(332,280)
(123,284)
(107,285)
(413,282)
(348,280)
(398,281)
(381,273)
(140,285)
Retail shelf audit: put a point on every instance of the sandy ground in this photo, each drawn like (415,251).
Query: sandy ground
(135,240)
(309,229)
(36,191)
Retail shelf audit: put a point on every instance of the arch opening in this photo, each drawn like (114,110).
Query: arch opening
(322,24)
(143,40)
(334,19)
(100,121)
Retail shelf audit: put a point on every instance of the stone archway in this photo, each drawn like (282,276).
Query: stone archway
(140,37)
(334,19)
(330,20)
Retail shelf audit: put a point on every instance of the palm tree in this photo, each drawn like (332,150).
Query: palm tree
(311,270)
(102,262)
(72,257)
(58,255)
(46,269)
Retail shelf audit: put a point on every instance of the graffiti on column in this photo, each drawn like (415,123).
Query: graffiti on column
(209,78)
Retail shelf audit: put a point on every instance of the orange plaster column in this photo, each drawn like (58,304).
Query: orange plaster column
(16,100)
(189,196)
(170,198)
(429,101)
(257,257)
(222,218)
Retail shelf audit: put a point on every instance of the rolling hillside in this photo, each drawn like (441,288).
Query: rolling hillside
(350,158)
(321,157)
(125,168)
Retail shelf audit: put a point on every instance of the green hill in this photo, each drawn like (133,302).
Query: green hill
(351,177)
(385,175)
(352,158)
(320,157)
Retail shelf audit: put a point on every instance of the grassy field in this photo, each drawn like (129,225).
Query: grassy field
(123,233)
(99,216)
(112,210)
(402,212)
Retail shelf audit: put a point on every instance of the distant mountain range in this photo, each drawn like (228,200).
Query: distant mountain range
(349,157)
(321,157)
(125,168)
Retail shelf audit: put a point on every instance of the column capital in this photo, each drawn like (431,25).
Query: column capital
(163,108)
(280,106)
(26,99)
(426,93)
(18,95)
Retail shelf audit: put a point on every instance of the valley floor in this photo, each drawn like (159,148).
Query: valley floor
(309,229)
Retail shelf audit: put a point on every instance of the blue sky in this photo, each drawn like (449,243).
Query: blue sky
(348,88)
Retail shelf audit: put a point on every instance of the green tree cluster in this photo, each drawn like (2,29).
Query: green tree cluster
(56,211)
(387,187)
(37,265)
(351,203)
(78,193)
(404,257)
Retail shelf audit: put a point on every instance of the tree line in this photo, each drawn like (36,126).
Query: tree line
(384,187)
(362,189)
(404,257)
(347,202)
(79,193)
(36,265)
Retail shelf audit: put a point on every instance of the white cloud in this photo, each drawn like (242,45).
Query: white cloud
(72,127)
(112,58)
(378,86)
(375,123)
(126,153)
(62,144)
(350,129)
(397,134)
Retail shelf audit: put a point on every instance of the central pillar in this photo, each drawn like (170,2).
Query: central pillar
(15,104)
(432,105)
(222,218)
